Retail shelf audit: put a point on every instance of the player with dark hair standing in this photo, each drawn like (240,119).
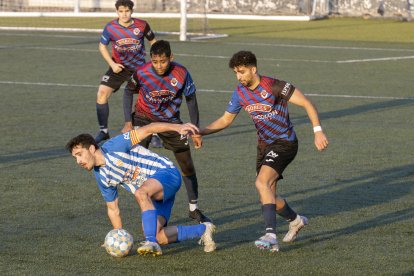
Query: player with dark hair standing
(161,85)
(266,100)
(152,179)
(126,34)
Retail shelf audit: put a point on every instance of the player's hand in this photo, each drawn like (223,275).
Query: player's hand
(116,67)
(127,127)
(321,142)
(197,140)
(187,129)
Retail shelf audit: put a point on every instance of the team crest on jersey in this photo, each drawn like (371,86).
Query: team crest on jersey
(174,82)
(137,31)
(264,94)
(118,162)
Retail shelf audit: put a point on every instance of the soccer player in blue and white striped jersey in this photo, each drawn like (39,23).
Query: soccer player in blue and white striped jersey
(266,100)
(152,179)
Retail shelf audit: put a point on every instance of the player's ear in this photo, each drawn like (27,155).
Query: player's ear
(92,149)
(172,57)
(254,69)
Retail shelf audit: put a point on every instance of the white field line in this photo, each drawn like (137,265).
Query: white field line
(223,57)
(235,43)
(206,90)
(373,59)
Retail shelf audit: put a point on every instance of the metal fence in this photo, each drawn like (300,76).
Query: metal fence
(384,8)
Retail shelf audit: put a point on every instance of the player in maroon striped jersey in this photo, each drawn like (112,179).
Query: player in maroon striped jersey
(126,34)
(161,85)
(266,100)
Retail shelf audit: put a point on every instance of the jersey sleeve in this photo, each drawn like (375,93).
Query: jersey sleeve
(189,86)
(282,89)
(105,36)
(234,104)
(148,33)
(121,143)
(108,192)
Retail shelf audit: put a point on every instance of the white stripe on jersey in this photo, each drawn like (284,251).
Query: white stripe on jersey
(131,168)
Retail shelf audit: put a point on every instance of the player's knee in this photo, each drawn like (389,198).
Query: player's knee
(141,195)
(261,185)
(103,95)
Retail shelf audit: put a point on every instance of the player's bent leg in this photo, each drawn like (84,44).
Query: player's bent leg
(186,164)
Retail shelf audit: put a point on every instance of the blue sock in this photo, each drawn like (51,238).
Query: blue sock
(190,232)
(149,223)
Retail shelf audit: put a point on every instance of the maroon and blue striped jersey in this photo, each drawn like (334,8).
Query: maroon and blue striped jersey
(160,97)
(267,105)
(128,47)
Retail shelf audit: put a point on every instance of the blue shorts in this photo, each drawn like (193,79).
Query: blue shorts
(170,180)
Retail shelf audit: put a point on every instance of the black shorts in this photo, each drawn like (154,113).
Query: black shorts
(114,80)
(171,140)
(277,155)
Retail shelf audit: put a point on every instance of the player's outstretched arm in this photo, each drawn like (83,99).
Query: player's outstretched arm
(183,129)
(221,123)
(321,141)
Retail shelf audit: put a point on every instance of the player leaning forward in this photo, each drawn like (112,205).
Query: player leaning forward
(266,100)
(152,179)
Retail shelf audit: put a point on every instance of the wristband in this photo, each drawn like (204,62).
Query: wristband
(317,128)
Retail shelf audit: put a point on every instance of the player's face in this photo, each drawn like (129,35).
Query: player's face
(124,15)
(84,157)
(245,75)
(160,63)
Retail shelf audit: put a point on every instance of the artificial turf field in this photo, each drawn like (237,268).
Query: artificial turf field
(358,194)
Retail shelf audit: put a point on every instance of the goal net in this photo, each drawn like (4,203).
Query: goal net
(190,19)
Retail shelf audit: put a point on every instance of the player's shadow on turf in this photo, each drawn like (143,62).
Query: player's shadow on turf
(357,192)
(378,221)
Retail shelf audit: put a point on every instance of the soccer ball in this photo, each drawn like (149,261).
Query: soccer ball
(118,242)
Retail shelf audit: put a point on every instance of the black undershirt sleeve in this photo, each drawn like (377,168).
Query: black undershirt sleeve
(193,109)
(148,33)
(128,99)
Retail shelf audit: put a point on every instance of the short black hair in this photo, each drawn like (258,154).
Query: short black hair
(84,140)
(243,58)
(161,47)
(125,3)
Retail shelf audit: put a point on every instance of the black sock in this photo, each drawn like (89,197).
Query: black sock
(269,214)
(287,213)
(191,186)
(102,110)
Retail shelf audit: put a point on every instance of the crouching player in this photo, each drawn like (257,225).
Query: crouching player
(152,179)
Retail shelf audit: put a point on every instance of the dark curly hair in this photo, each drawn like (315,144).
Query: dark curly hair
(243,58)
(85,140)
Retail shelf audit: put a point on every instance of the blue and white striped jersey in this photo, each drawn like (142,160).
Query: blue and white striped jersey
(126,164)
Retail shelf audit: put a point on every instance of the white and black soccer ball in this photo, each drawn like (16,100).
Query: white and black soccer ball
(118,242)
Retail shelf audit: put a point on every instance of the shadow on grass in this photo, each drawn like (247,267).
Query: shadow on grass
(372,189)
(35,155)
